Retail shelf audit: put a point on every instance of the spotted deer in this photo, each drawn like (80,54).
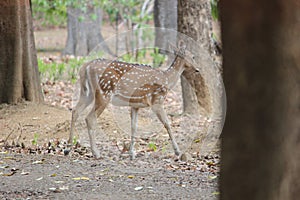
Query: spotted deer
(126,84)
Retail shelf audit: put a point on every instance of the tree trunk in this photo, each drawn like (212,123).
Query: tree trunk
(194,21)
(84,31)
(19,76)
(261,140)
(165,16)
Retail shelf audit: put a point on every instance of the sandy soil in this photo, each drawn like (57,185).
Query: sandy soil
(36,171)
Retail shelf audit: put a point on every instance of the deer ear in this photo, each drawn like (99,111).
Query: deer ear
(172,48)
(181,44)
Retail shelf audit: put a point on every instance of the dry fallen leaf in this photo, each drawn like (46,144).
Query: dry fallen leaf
(24,173)
(38,162)
(139,188)
(212,177)
(64,188)
(59,181)
(131,176)
(9,158)
(81,178)
(9,174)
(14,169)
(53,189)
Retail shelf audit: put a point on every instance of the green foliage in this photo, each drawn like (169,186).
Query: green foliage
(54,12)
(42,67)
(152,146)
(35,139)
(145,56)
(126,10)
(59,70)
(73,67)
(164,147)
(138,56)
(50,12)
(128,58)
(214,9)
(158,58)
(74,140)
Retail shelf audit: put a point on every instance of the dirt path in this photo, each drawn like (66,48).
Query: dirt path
(61,177)
(40,170)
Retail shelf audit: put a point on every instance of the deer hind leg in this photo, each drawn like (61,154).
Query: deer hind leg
(91,122)
(162,116)
(134,117)
(100,104)
(83,103)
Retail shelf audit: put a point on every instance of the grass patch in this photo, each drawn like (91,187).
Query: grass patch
(59,69)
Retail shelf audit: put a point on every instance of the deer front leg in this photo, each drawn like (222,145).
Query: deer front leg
(133,116)
(91,122)
(162,116)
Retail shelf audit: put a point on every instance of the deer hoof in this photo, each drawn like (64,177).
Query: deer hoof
(177,153)
(132,156)
(96,154)
(70,141)
(185,157)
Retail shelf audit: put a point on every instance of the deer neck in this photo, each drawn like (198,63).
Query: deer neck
(174,72)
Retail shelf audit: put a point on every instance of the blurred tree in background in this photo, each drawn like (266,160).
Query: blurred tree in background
(165,16)
(194,20)
(84,19)
(19,76)
(84,27)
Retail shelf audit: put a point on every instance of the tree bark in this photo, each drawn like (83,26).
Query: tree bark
(261,140)
(84,33)
(194,21)
(19,76)
(165,17)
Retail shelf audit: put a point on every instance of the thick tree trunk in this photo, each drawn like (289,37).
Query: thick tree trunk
(19,76)
(165,16)
(261,140)
(194,21)
(84,32)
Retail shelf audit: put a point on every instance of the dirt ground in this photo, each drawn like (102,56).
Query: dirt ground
(61,177)
(37,163)
(43,170)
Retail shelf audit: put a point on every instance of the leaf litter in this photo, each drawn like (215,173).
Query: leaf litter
(152,160)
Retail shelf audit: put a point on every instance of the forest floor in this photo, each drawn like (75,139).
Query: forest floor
(37,163)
